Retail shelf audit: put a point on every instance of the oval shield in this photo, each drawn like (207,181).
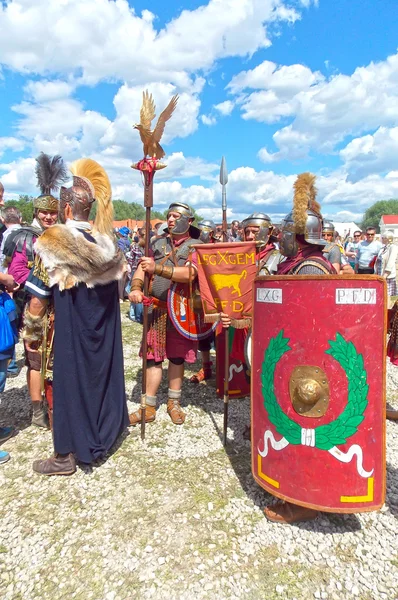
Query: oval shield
(186,313)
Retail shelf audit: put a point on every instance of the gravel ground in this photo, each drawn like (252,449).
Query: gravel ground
(178,517)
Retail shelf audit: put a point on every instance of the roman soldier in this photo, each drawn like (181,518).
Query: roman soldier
(171,260)
(333,252)
(78,265)
(257,227)
(19,256)
(303,245)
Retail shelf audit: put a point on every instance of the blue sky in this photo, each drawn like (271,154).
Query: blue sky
(277,86)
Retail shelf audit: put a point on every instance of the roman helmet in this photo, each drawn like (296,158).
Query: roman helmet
(183,224)
(305,219)
(50,173)
(262,221)
(328,227)
(90,183)
(207,231)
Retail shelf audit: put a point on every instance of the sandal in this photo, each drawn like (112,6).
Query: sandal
(150,415)
(202,374)
(175,412)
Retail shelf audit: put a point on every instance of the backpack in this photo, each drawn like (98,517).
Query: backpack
(8,333)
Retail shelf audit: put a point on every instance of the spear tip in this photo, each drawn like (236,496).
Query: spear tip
(223,172)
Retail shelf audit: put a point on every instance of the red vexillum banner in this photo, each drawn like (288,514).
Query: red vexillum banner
(226,274)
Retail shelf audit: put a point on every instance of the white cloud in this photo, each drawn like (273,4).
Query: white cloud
(61,125)
(368,154)
(322,112)
(107,39)
(44,90)
(208,120)
(11,143)
(182,167)
(285,80)
(247,190)
(225,108)
(19,176)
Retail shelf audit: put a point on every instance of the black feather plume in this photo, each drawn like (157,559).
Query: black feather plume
(50,173)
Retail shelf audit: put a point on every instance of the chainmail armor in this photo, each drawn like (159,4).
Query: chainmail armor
(162,254)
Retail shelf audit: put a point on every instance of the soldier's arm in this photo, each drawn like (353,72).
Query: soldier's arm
(335,258)
(178,274)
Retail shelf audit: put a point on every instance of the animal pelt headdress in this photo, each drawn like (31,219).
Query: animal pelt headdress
(69,258)
(304,199)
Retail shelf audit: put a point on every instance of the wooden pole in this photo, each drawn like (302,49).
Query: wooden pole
(224,181)
(148,203)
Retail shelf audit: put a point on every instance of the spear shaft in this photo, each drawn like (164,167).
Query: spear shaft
(224,181)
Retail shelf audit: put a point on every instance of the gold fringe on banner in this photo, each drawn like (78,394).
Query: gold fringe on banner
(212,317)
(241,323)
(237,323)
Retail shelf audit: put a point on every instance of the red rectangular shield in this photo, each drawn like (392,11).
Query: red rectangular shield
(318,390)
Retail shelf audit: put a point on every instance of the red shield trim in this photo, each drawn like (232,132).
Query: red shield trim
(187,319)
(326,334)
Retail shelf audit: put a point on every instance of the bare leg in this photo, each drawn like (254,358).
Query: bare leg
(154,378)
(175,375)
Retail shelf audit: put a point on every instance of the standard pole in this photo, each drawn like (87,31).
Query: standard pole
(148,202)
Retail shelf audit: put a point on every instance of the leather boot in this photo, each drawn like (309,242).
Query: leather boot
(286,512)
(39,417)
(56,465)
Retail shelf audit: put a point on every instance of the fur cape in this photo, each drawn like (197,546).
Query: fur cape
(70,259)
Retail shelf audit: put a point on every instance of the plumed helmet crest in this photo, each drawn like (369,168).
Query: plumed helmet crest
(304,199)
(89,175)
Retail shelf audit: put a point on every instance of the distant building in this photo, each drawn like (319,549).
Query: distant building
(345,229)
(389,223)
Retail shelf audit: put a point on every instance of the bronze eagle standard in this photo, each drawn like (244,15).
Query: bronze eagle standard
(151,138)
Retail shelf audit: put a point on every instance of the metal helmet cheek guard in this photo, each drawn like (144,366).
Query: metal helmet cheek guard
(207,231)
(288,245)
(183,222)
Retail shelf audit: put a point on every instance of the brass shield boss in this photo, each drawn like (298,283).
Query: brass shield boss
(309,391)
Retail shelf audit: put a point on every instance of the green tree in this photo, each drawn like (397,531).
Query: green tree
(372,216)
(25,205)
